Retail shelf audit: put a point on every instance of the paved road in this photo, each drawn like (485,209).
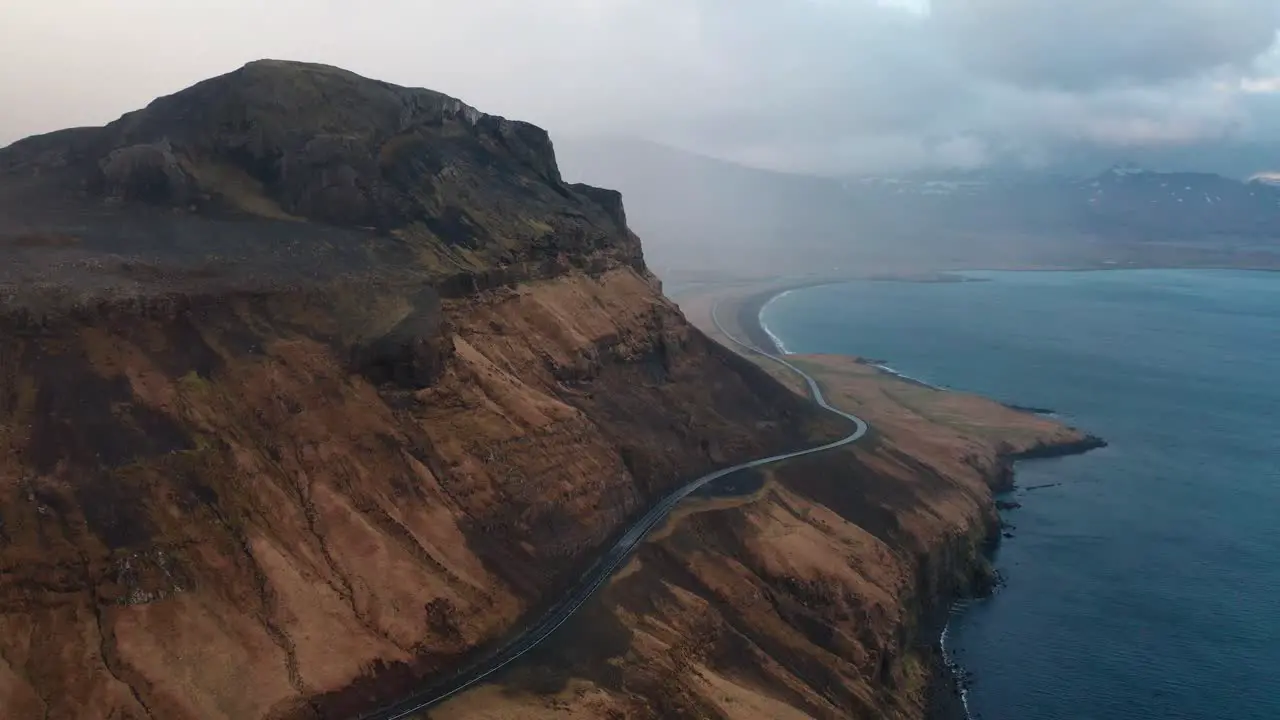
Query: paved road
(605,566)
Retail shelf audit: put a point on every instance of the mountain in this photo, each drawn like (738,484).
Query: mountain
(1124,202)
(315,388)
(757,221)
(1180,205)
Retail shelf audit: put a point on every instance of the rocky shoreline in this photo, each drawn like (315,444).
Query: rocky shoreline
(948,680)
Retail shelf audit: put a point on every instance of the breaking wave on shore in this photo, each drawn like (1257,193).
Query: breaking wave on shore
(777,341)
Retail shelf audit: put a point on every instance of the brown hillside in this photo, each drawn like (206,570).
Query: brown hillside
(311,387)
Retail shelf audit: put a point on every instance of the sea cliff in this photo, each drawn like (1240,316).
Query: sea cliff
(817,588)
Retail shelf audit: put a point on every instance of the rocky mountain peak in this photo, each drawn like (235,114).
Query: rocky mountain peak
(321,142)
(468,194)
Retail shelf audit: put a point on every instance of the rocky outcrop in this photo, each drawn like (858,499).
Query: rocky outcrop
(147,173)
(1010,456)
(413,353)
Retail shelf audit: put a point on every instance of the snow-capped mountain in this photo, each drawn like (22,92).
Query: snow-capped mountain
(1124,199)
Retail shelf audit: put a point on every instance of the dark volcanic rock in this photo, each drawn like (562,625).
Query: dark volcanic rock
(149,172)
(322,142)
(231,179)
(1040,452)
(410,355)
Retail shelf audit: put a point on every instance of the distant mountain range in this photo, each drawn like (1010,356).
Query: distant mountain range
(695,212)
(1126,202)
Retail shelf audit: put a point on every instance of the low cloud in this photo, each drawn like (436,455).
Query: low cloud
(834,86)
(1086,44)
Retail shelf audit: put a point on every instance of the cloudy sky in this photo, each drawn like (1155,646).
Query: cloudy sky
(830,86)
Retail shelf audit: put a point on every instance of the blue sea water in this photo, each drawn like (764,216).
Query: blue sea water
(1143,580)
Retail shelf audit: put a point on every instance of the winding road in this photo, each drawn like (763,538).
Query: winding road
(607,564)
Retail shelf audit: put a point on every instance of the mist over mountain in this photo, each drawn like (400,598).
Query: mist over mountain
(699,214)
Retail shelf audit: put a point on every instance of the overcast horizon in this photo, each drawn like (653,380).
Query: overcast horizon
(817,86)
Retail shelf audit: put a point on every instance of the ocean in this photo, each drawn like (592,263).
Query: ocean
(1143,579)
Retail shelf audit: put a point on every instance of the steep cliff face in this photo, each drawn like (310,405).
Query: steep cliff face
(312,387)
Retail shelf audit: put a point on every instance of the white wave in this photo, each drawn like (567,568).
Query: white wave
(955,670)
(904,376)
(777,341)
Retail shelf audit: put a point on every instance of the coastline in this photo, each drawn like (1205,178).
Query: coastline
(752,294)
(947,691)
(749,308)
